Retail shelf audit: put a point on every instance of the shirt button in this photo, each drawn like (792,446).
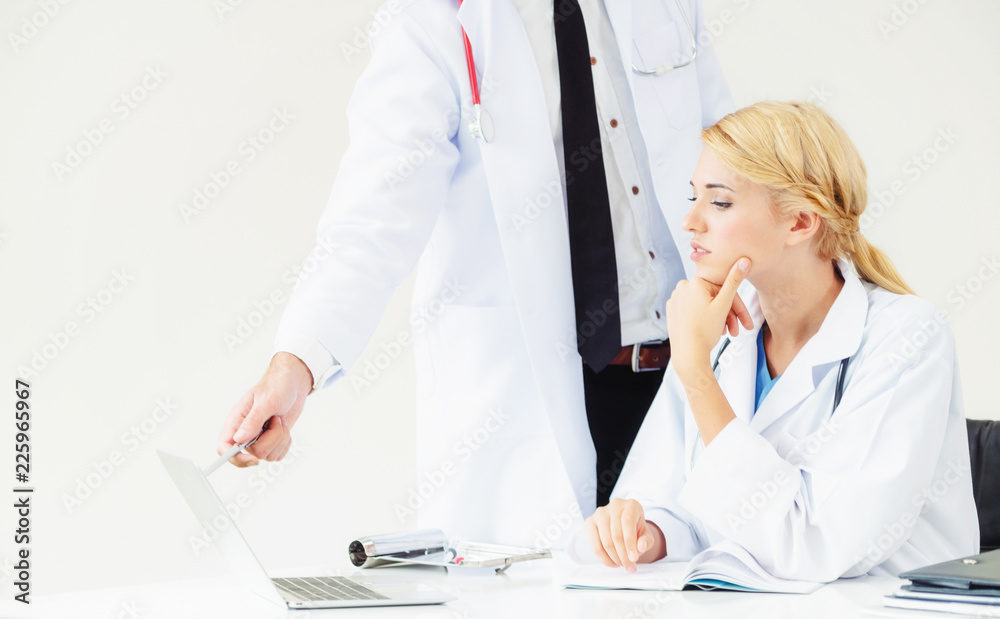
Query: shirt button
(614,123)
(657,313)
(593,60)
(635,190)
(652,255)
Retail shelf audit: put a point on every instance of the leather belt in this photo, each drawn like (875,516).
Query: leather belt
(645,356)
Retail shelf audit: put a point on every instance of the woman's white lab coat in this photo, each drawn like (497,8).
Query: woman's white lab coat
(882,485)
(504,452)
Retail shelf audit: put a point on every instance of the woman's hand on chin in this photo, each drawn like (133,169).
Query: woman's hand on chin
(698,311)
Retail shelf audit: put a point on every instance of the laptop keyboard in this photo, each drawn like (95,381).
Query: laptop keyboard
(327,588)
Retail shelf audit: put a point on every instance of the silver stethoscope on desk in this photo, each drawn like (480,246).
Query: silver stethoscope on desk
(837,394)
(481,126)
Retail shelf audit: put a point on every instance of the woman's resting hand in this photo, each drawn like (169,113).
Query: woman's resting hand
(619,535)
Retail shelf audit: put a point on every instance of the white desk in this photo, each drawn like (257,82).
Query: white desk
(524,592)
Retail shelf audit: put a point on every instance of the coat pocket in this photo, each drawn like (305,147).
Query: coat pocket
(677,89)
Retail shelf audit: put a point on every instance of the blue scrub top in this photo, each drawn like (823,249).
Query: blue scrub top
(764,380)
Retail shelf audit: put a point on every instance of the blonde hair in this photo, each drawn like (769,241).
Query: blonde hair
(807,163)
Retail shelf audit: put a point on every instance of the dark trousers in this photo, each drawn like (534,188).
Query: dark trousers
(617,401)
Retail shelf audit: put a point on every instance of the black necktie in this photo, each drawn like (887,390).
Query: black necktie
(591,239)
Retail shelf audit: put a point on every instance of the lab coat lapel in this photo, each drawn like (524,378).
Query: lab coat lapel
(794,385)
(738,364)
(838,337)
(526,191)
(620,16)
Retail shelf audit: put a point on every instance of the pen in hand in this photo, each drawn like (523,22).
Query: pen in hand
(235,449)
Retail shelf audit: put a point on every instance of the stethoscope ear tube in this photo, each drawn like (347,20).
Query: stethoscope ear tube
(840,384)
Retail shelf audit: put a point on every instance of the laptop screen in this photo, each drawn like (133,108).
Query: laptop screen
(210,512)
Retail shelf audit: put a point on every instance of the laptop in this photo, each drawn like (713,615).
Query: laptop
(296,592)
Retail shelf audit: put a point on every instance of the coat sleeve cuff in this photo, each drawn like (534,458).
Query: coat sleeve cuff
(324,367)
(739,477)
(681,541)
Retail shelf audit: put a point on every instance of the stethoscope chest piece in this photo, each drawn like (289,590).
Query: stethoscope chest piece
(482,126)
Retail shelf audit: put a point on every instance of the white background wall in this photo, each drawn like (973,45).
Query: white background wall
(63,237)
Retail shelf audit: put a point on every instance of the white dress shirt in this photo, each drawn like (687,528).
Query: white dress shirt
(649,265)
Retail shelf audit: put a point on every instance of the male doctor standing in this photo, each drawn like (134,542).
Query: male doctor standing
(547,250)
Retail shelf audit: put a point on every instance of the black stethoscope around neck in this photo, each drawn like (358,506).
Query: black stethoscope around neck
(837,394)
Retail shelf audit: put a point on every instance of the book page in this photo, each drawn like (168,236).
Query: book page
(729,566)
(660,576)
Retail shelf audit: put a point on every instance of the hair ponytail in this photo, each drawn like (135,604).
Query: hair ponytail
(874,266)
(808,163)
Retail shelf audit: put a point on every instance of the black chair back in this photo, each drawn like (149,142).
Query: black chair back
(984,456)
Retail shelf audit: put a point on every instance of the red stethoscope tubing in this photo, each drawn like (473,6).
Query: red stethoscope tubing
(473,82)
(481,125)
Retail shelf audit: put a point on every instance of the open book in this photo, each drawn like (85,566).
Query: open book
(723,566)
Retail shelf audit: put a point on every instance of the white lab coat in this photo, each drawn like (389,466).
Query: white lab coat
(500,401)
(882,486)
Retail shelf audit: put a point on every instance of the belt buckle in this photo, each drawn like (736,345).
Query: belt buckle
(635,356)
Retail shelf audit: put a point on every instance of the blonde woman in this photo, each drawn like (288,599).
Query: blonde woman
(751,439)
